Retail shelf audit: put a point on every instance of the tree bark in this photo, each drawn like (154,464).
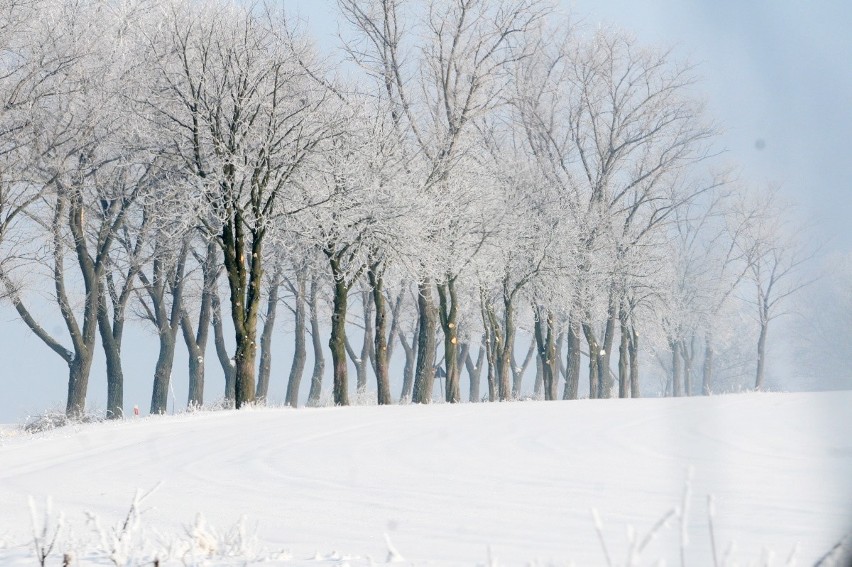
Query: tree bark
(505,349)
(380,348)
(366,343)
(315,394)
(687,352)
(474,371)
(519,371)
(361,361)
(545,336)
(572,362)
(562,372)
(410,362)
(163,372)
(538,387)
(78,379)
(424,377)
(265,367)
(463,355)
(244,279)
(594,357)
(337,341)
(195,394)
(196,342)
(623,362)
(165,279)
(707,367)
(222,351)
(491,372)
(297,368)
(449,324)
(111,335)
(395,322)
(492,346)
(92,270)
(633,350)
(677,380)
(605,381)
(761,356)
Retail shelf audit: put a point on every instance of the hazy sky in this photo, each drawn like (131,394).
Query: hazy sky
(775,71)
(776,76)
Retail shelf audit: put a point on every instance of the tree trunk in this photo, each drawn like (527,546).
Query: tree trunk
(449,324)
(677,380)
(474,371)
(297,369)
(572,363)
(545,336)
(623,363)
(552,357)
(78,382)
(594,349)
(633,350)
(337,341)
(761,356)
(707,367)
(315,394)
(687,353)
(265,367)
(519,371)
(222,351)
(410,362)
(195,394)
(244,280)
(561,371)
(380,346)
(165,279)
(424,377)
(84,342)
(491,341)
(163,372)
(111,344)
(491,372)
(505,350)
(244,363)
(605,381)
(196,343)
(362,361)
(393,334)
(538,387)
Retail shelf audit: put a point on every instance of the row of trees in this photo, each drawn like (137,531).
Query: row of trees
(471,169)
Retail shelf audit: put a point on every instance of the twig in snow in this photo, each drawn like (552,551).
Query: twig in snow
(599,529)
(652,533)
(394,556)
(711,513)
(684,515)
(833,553)
(794,555)
(43,548)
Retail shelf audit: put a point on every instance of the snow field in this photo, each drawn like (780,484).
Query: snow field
(457,484)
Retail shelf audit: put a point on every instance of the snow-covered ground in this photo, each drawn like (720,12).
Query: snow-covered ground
(449,483)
